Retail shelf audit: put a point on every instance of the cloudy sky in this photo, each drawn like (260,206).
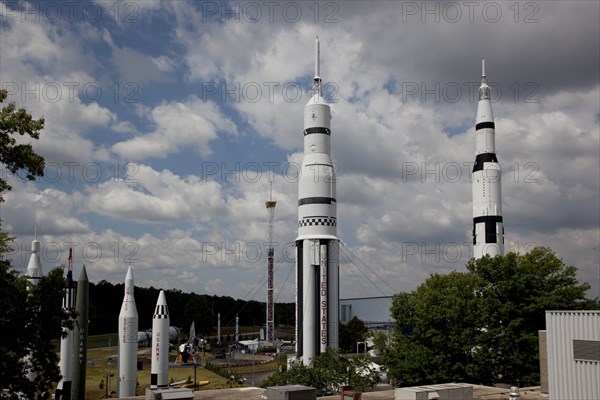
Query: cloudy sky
(165,121)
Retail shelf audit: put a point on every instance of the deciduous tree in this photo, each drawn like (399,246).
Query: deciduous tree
(17,157)
(31,316)
(482,325)
(351,333)
(328,373)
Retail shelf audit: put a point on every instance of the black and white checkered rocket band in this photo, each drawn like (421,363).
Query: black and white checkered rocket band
(317,221)
(162,311)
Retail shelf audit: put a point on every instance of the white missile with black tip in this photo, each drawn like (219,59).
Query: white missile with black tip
(128,339)
(317,268)
(159,370)
(488,226)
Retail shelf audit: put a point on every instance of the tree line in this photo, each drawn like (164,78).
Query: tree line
(203,309)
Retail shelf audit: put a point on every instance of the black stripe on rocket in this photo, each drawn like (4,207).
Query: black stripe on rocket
(490,222)
(299,291)
(484,158)
(318,129)
(484,125)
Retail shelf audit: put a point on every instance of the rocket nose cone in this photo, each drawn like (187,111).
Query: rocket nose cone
(162,310)
(162,300)
(129,275)
(83,276)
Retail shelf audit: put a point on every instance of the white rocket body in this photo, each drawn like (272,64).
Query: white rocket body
(34,268)
(159,370)
(317,266)
(66,368)
(34,273)
(63,389)
(128,340)
(488,226)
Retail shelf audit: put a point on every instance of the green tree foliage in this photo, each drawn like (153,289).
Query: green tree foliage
(106,299)
(32,315)
(5,240)
(481,326)
(327,374)
(380,341)
(351,333)
(197,309)
(18,157)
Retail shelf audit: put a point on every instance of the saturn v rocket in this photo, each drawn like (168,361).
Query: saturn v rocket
(488,227)
(317,245)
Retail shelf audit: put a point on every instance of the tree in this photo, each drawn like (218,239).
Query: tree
(518,291)
(380,341)
(351,333)
(31,316)
(17,157)
(435,330)
(481,326)
(197,309)
(328,372)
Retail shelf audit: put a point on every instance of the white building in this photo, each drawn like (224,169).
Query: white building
(573,351)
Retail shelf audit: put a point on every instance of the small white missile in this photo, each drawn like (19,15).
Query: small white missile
(488,225)
(128,335)
(159,371)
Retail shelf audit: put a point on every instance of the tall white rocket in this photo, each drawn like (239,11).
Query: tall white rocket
(34,273)
(128,332)
(488,227)
(63,389)
(317,245)
(159,368)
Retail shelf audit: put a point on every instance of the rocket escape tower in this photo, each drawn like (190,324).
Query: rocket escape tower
(270,204)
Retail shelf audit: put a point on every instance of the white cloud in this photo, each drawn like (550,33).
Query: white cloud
(193,123)
(399,207)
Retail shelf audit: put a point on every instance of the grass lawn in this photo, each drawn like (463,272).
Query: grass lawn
(103,361)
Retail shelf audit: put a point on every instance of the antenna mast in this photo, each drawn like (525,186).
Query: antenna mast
(270,204)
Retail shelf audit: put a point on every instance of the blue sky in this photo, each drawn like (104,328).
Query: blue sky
(165,120)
